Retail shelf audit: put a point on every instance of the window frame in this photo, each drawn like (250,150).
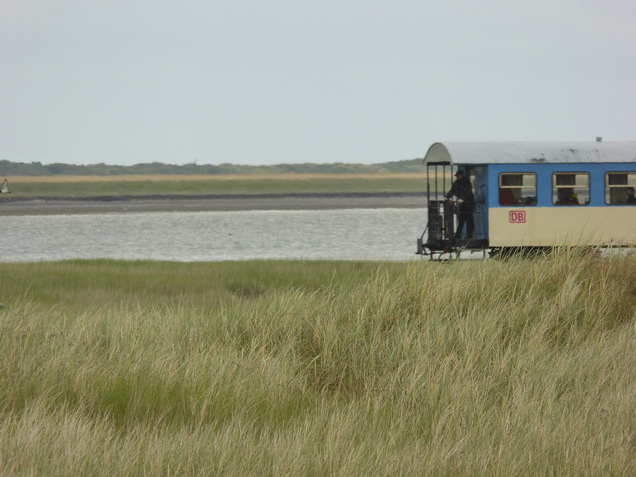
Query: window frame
(556,187)
(501,187)
(608,187)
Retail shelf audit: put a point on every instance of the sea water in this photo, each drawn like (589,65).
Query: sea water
(344,234)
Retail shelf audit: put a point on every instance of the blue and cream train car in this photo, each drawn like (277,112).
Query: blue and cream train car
(532,195)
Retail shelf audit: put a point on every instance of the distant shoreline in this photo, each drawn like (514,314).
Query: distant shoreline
(14,206)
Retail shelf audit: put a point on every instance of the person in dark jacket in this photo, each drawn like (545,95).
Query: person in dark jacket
(463,190)
(631,198)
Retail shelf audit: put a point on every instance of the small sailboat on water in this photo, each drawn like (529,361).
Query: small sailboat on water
(5,187)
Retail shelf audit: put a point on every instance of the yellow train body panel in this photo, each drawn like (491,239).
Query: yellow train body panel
(553,226)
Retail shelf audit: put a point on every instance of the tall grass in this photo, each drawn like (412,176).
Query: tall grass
(482,368)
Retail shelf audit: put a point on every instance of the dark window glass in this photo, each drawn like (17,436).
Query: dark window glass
(570,188)
(619,188)
(517,189)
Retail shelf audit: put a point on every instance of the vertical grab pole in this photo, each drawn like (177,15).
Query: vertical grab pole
(428,186)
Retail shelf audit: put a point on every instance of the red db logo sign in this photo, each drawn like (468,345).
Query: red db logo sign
(517,216)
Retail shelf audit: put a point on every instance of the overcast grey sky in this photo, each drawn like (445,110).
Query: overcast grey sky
(265,82)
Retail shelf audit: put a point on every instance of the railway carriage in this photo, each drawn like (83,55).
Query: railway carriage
(532,196)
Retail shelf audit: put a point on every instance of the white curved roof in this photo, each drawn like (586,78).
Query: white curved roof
(533,152)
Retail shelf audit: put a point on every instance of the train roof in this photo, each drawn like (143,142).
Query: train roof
(530,152)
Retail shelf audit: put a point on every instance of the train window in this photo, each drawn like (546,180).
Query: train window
(518,188)
(570,188)
(616,185)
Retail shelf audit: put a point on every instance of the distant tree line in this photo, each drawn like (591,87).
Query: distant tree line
(9,168)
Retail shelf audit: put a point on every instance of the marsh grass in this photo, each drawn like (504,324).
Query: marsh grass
(82,186)
(316,368)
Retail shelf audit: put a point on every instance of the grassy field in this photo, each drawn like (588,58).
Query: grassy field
(82,186)
(319,368)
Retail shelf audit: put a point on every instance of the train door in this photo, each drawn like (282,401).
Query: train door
(479,178)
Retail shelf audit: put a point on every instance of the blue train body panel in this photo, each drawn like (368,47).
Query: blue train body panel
(543,223)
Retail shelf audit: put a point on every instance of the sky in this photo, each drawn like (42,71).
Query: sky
(293,81)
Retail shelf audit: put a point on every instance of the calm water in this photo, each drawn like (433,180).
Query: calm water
(350,234)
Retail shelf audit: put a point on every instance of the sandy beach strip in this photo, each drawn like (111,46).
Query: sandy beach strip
(12,206)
